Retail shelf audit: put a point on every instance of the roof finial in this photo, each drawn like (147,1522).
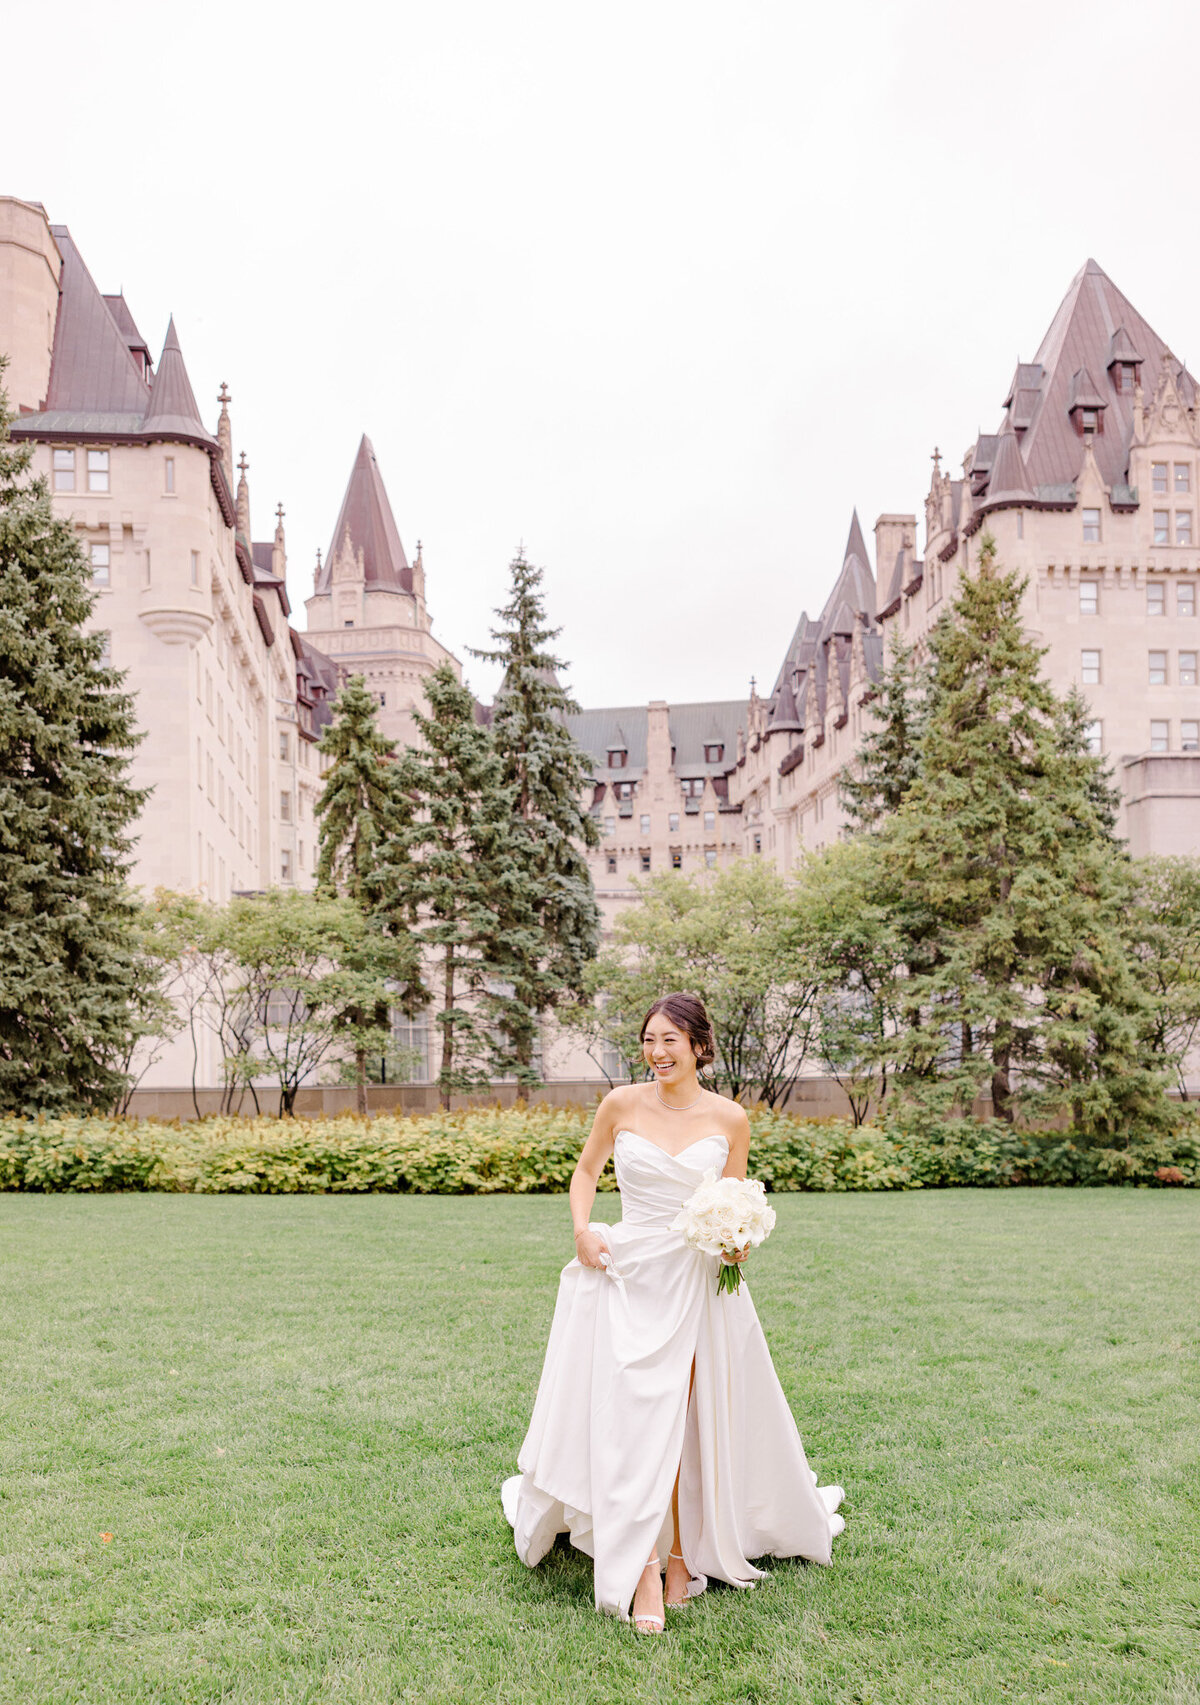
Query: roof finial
(753,685)
(223,396)
(279,512)
(936,459)
(243,464)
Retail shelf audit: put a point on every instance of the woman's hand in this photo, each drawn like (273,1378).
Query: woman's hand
(589,1247)
(738,1256)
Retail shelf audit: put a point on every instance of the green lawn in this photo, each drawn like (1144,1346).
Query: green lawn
(292,1414)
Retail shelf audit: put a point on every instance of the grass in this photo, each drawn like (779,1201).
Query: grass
(292,1415)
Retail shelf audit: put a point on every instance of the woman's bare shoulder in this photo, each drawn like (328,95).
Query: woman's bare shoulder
(730,1115)
(619,1102)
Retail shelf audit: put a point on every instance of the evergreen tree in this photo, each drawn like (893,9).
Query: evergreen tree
(550,775)
(358,809)
(886,764)
(452,868)
(70,970)
(357,794)
(1011,891)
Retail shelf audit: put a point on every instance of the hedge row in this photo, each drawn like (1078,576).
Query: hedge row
(518,1150)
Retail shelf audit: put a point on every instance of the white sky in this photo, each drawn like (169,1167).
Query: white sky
(662,289)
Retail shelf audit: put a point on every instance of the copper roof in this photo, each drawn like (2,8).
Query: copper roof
(173,412)
(367,527)
(1074,360)
(91,369)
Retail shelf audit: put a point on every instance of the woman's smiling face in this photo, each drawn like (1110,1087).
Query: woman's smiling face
(667,1049)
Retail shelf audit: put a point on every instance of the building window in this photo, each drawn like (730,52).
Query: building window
(713,754)
(676,858)
(1093,738)
(1089,670)
(100,565)
(611,863)
(285,865)
(285,807)
(146,570)
(645,858)
(1126,377)
(1183,526)
(1020,525)
(616,758)
(692,787)
(710,858)
(64,470)
(97,470)
(1156,598)
(1187,668)
(412,1034)
(610,825)
(383,701)
(1091,526)
(195,568)
(1159,736)
(169,473)
(285,747)
(105,649)
(673,823)
(1158,668)
(1091,418)
(623,790)
(1162,527)
(1185,599)
(1189,736)
(1158,478)
(758,843)
(644,820)
(710,819)
(1089,597)
(1183,476)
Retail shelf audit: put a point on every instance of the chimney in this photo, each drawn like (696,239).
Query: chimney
(893,534)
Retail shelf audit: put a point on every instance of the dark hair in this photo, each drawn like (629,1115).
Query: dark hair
(687,1011)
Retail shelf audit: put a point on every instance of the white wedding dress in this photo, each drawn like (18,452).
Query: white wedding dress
(612,1420)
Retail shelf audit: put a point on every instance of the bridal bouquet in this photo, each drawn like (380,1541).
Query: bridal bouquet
(723,1215)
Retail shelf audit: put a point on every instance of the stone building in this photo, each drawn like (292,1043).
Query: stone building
(367,611)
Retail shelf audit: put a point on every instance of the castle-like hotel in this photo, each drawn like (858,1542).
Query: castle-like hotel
(1089,486)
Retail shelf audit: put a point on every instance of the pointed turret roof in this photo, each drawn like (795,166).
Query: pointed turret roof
(1093,320)
(92,370)
(173,412)
(366,525)
(856,544)
(1009,482)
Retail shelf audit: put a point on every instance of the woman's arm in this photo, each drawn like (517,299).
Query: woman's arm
(739,1153)
(589,1245)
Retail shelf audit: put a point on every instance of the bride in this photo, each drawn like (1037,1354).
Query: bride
(660,1431)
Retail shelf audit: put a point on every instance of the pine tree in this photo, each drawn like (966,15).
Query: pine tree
(357,793)
(1011,890)
(550,774)
(451,868)
(359,808)
(69,970)
(886,763)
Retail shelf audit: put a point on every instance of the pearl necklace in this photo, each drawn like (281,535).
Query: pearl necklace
(671,1105)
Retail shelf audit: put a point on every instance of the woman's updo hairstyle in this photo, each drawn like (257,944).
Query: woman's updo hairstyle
(687,1011)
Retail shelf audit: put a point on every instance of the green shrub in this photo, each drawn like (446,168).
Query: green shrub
(518,1150)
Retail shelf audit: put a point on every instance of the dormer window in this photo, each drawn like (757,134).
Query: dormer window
(616,757)
(1085,404)
(1126,376)
(713,754)
(1090,418)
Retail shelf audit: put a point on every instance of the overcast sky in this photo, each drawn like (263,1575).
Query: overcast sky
(662,290)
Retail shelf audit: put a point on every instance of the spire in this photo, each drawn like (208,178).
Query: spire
(855,544)
(173,412)
(418,573)
(225,433)
(366,530)
(279,548)
(317,572)
(1008,482)
(243,498)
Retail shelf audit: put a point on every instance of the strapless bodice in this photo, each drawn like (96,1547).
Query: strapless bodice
(654,1185)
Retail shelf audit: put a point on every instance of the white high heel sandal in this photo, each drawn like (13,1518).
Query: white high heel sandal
(657,1623)
(696,1585)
